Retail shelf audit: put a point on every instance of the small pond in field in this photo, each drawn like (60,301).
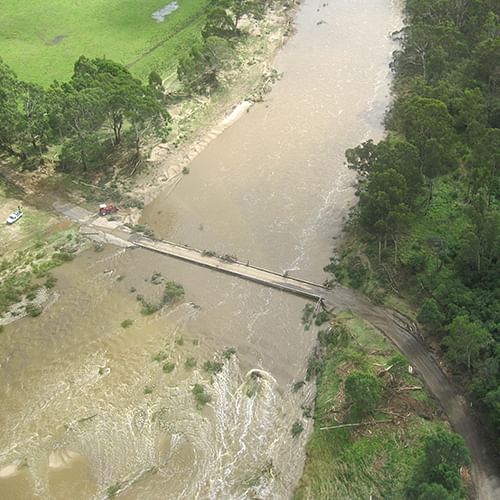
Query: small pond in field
(160,14)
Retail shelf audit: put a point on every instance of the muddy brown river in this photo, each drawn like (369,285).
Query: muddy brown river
(85,408)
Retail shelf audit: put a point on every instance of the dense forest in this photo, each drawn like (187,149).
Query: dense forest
(427,226)
(103,114)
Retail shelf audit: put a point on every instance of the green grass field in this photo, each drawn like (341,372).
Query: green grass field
(41,41)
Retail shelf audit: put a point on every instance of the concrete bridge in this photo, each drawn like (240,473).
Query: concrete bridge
(234,267)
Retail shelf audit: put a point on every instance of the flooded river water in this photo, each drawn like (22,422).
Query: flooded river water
(85,407)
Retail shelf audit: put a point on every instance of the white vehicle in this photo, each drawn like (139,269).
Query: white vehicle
(14,217)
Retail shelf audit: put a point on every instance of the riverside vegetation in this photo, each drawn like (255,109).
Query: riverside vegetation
(104,114)
(426,230)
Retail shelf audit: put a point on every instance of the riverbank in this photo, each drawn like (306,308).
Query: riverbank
(199,120)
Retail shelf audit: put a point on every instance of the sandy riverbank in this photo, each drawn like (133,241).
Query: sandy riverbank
(201,119)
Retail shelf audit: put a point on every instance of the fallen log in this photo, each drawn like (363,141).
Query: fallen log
(355,425)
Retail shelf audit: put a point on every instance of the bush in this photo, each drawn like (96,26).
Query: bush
(173,291)
(297,428)
(321,317)
(126,323)
(113,490)
(63,256)
(209,253)
(314,367)
(33,310)
(98,247)
(168,367)
(159,356)
(213,367)
(307,313)
(430,314)
(50,282)
(149,308)
(200,395)
(229,352)
(364,392)
(298,385)
(157,278)
(190,363)
(356,271)
(141,228)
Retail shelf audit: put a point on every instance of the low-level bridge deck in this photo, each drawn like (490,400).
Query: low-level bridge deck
(243,270)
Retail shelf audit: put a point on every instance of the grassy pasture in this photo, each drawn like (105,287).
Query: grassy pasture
(41,41)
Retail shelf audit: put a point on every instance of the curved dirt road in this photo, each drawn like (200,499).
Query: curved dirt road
(485,468)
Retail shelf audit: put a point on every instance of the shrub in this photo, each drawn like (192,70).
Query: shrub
(356,271)
(50,282)
(149,308)
(297,428)
(168,367)
(173,291)
(63,256)
(126,323)
(321,317)
(33,310)
(229,258)
(213,367)
(307,313)
(157,278)
(159,356)
(190,363)
(364,391)
(229,352)
(113,490)
(298,385)
(200,395)
(314,367)
(430,314)
(209,253)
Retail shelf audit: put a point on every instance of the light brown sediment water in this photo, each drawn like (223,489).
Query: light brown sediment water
(273,190)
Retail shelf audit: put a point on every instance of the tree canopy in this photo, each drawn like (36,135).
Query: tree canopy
(429,193)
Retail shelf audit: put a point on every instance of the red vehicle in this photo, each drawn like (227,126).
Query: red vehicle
(107,209)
